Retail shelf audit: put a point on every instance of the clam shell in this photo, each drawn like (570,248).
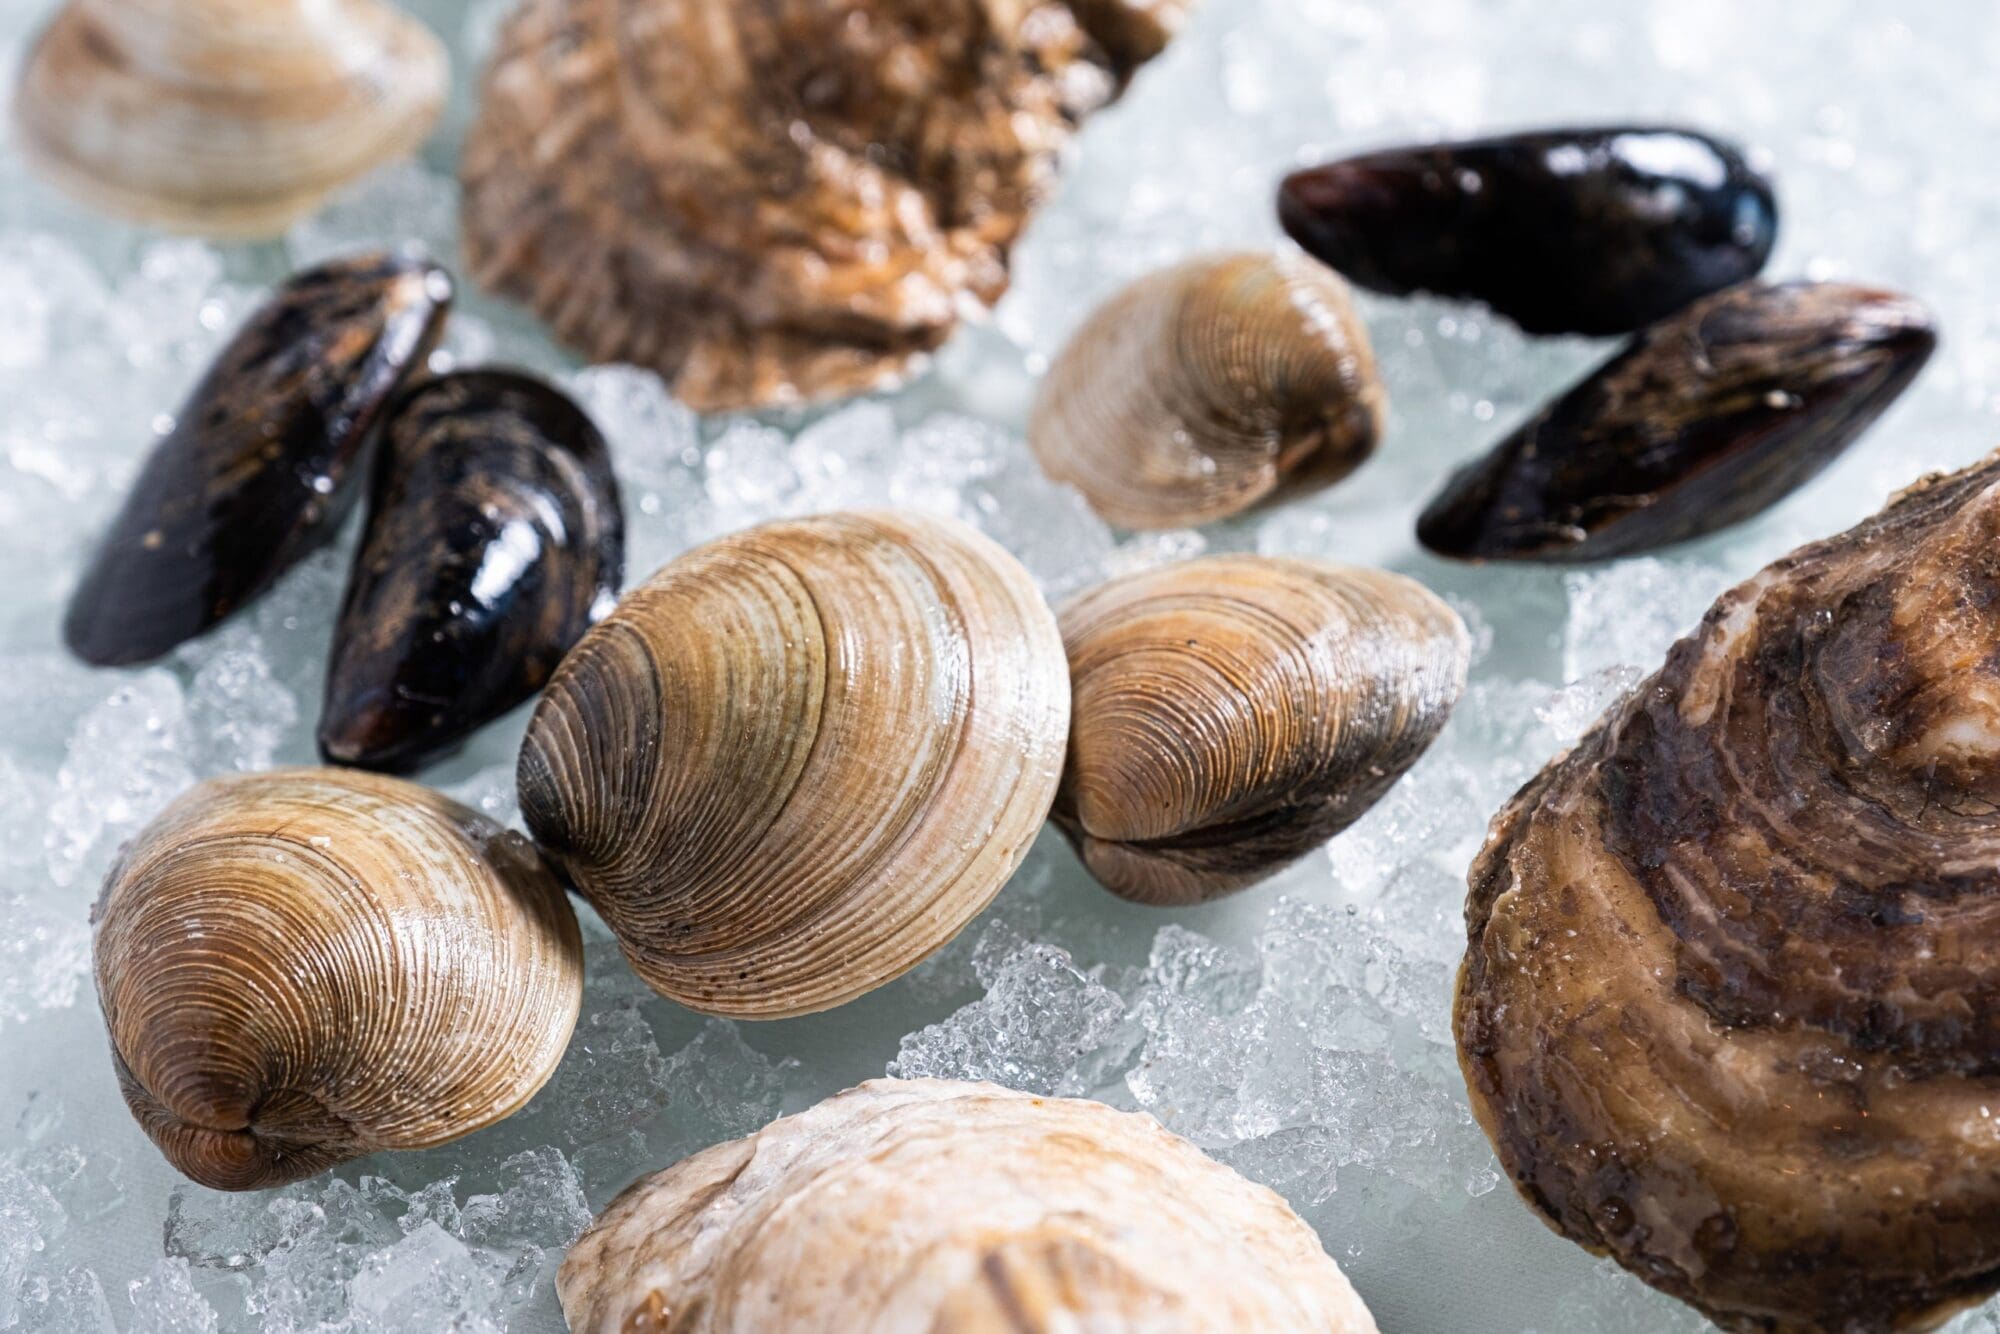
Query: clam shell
(798,760)
(302,967)
(1201,390)
(264,460)
(1233,713)
(1593,231)
(494,540)
(931,1205)
(227,117)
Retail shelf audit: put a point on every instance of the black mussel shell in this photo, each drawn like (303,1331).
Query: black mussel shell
(264,460)
(494,540)
(1599,231)
(1700,422)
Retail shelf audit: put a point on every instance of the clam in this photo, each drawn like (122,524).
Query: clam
(798,760)
(768,203)
(494,541)
(938,1205)
(1233,713)
(1704,420)
(1730,1009)
(230,117)
(298,968)
(1592,231)
(264,458)
(1201,390)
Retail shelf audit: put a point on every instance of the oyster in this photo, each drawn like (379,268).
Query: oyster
(1704,420)
(1591,231)
(264,460)
(1730,1008)
(769,201)
(494,541)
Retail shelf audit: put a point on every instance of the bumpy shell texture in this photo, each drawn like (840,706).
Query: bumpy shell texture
(265,458)
(302,967)
(228,117)
(1231,714)
(774,200)
(1707,418)
(1207,388)
(798,760)
(494,540)
(1731,1006)
(930,1205)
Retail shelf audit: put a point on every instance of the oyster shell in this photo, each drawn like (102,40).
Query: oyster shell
(931,1205)
(1730,1009)
(767,200)
(494,540)
(1704,420)
(264,459)
(1592,231)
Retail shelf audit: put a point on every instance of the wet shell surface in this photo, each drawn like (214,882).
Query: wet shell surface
(1706,419)
(1592,231)
(930,1205)
(1730,1010)
(1207,388)
(302,967)
(264,460)
(494,540)
(226,117)
(769,201)
(798,760)
(1233,713)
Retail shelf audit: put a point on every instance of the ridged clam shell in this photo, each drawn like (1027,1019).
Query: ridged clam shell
(302,967)
(799,759)
(1233,713)
(931,1205)
(1209,387)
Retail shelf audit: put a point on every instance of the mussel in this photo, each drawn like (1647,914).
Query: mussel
(264,459)
(1589,231)
(1704,420)
(1231,714)
(799,759)
(298,968)
(1730,1009)
(1203,389)
(494,540)
(767,203)
(937,1205)
(229,117)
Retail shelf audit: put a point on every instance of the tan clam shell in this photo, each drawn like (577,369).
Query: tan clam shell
(302,967)
(1233,713)
(225,117)
(799,759)
(932,1205)
(1201,390)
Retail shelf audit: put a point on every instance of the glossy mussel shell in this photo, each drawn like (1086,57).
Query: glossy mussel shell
(1706,419)
(494,540)
(264,459)
(1592,231)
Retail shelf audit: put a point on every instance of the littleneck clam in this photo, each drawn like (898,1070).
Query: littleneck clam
(933,1205)
(298,968)
(1209,387)
(1233,713)
(494,540)
(1704,420)
(230,117)
(1595,231)
(799,759)
(1730,1010)
(264,459)
(772,202)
